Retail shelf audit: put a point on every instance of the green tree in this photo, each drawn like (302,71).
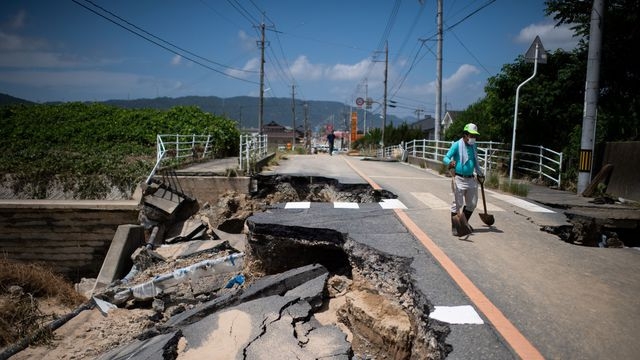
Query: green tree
(619,97)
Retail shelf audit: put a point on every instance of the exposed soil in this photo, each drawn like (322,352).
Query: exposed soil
(381,315)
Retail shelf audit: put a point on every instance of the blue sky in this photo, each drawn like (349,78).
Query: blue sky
(328,50)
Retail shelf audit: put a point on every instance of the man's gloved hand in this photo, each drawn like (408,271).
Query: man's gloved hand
(452,164)
(480,178)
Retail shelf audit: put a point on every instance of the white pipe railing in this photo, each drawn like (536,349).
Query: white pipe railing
(253,148)
(179,148)
(535,159)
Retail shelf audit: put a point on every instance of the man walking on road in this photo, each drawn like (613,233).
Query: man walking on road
(331,139)
(463,157)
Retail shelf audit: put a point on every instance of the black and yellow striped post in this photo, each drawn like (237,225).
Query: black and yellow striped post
(586,160)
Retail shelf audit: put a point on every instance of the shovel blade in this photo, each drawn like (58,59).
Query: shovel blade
(487,219)
(461,225)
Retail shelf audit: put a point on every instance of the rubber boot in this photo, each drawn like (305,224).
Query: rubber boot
(454,231)
(467,214)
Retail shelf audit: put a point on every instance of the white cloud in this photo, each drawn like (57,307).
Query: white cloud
(302,69)
(251,66)
(176,60)
(351,72)
(456,82)
(552,37)
(460,78)
(247,42)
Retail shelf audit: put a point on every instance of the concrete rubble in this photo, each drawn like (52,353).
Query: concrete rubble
(273,291)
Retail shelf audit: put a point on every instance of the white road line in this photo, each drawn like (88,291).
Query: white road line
(298,205)
(435,203)
(392,204)
(522,203)
(345,205)
(464,314)
(403,177)
(431,201)
(385,204)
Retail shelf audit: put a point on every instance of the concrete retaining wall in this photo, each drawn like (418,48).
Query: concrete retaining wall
(425,163)
(207,189)
(70,236)
(625,178)
(74,236)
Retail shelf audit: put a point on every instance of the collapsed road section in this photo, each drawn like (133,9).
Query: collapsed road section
(289,283)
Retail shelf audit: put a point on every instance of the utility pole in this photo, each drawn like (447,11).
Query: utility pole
(384,105)
(261,43)
(293,112)
(587,142)
(366,105)
(439,74)
(307,142)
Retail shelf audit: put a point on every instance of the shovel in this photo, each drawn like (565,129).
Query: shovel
(486,218)
(459,220)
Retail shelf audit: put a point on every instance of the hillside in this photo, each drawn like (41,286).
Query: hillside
(8,100)
(244,110)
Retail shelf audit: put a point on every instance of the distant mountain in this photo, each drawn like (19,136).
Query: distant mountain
(244,109)
(8,100)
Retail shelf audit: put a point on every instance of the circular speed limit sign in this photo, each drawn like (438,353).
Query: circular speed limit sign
(359,101)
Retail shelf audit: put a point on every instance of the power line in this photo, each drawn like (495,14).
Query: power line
(168,44)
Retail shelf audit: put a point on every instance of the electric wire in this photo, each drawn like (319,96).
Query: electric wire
(168,44)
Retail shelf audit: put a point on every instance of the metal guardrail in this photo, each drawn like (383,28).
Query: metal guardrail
(178,148)
(253,148)
(534,159)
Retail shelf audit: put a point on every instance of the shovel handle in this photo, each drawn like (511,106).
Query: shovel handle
(484,201)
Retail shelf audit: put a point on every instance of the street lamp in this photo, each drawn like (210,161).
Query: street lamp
(536,53)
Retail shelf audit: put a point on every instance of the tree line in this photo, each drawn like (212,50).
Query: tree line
(550,107)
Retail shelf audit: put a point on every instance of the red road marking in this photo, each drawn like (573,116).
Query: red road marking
(521,345)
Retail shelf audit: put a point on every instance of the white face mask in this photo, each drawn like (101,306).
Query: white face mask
(472,141)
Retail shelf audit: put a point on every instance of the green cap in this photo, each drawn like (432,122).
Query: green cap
(471,129)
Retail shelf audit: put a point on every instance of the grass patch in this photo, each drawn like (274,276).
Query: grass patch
(21,287)
(515,188)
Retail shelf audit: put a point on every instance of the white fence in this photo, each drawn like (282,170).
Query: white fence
(178,148)
(533,159)
(253,148)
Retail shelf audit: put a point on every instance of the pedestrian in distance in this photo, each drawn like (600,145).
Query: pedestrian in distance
(463,158)
(331,137)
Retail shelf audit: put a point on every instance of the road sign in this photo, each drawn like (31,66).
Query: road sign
(359,101)
(530,56)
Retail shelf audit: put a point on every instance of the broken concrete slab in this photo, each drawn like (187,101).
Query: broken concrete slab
(152,348)
(279,337)
(265,286)
(117,262)
(190,248)
(227,333)
(237,241)
(190,229)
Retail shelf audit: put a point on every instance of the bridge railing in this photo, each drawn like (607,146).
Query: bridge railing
(253,148)
(532,159)
(172,149)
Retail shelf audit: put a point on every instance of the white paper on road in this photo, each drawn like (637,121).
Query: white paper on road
(464,314)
